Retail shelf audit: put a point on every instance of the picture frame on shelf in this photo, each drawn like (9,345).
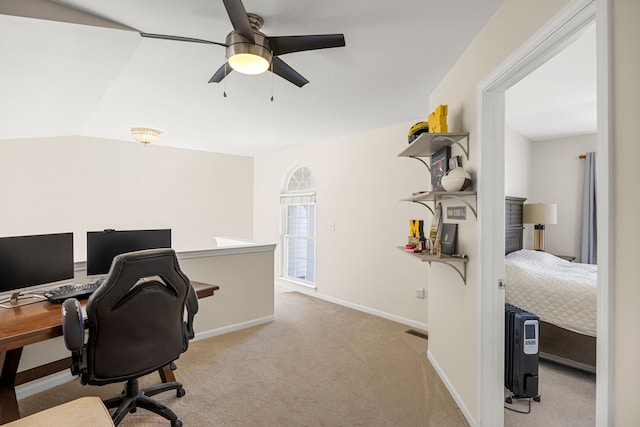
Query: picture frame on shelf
(448,238)
(439,167)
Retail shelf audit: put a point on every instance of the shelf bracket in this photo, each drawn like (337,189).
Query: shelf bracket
(462,274)
(425,205)
(464,149)
(425,163)
(460,199)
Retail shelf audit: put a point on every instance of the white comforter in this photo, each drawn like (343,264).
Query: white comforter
(559,292)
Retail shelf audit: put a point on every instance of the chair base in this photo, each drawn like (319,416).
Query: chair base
(133,398)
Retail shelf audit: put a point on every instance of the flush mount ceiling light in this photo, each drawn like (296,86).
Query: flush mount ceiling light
(145,135)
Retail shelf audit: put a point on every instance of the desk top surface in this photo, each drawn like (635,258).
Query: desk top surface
(41,321)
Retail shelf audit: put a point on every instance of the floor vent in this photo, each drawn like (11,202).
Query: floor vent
(418,334)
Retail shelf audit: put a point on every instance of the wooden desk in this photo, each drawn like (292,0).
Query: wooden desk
(29,324)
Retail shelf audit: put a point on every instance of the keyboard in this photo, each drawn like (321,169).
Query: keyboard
(78,290)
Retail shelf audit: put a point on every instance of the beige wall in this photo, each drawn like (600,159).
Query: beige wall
(359,182)
(626,203)
(511,26)
(550,171)
(80,184)
(453,345)
(558,177)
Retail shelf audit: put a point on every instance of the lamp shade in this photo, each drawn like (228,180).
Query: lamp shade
(540,213)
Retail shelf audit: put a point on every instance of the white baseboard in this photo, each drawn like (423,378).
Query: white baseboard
(456,397)
(383,314)
(42,384)
(232,328)
(53,380)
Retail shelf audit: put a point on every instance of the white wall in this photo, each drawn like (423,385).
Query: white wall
(80,184)
(550,171)
(359,181)
(557,176)
(453,346)
(517,170)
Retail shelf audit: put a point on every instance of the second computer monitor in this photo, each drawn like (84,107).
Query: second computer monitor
(104,246)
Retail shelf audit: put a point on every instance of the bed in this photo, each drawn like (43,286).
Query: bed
(562,293)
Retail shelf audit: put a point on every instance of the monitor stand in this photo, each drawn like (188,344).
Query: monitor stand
(17,299)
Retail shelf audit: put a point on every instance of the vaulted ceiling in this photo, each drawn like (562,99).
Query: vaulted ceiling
(80,67)
(64,73)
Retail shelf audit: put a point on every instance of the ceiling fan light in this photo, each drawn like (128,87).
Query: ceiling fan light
(246,57)
(248,63)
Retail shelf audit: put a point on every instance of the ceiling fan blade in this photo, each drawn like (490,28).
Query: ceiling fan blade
(288,44)
(282,69)
(180,39)
(239,19)
(221,73)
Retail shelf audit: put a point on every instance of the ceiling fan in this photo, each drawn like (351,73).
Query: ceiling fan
(249,51)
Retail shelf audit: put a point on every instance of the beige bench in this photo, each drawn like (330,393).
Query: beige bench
(82,412)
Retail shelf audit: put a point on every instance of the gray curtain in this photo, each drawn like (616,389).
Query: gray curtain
(589,237)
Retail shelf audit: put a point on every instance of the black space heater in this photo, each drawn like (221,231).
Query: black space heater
(522,332)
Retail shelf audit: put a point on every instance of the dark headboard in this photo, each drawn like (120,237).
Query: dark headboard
(513,224)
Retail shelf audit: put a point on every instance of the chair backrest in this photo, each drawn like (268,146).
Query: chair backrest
(136,318)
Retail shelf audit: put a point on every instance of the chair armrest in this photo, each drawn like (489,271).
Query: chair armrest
(192,309)
(72,325)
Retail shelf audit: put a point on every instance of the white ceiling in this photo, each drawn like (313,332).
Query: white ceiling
(61,78)
(559,98)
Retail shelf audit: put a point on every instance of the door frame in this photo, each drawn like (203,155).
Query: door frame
(554,36)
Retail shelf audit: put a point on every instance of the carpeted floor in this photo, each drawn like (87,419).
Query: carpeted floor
(321,364)
(568,399)
(318,364)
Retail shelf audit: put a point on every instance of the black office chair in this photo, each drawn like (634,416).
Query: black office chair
(137,325)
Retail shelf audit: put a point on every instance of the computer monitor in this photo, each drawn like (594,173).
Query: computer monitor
(104,246)
(27,261)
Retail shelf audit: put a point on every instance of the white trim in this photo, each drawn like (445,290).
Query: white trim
(45,383)
(561,30)
(364,309)
(247,247)
(297,285)
(452,391)
(232,328)
(605,404)
(230,250)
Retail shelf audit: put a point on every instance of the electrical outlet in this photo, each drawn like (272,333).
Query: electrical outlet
(420,293)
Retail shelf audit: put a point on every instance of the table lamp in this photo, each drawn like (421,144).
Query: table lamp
(539,214)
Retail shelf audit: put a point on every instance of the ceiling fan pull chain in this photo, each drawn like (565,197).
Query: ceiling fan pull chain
(224,91)
(271,79)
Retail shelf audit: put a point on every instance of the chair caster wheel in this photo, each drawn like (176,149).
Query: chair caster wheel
(180,392)
(537,398)
(176,423)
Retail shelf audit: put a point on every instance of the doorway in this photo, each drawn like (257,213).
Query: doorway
(551,39)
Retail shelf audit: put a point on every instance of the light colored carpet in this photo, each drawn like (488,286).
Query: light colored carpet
(321,364)
(568,400)
(318,364)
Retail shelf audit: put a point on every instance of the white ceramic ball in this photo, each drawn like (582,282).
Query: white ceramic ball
(456,179)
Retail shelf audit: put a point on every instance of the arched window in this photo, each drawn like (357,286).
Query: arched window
(298,200)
